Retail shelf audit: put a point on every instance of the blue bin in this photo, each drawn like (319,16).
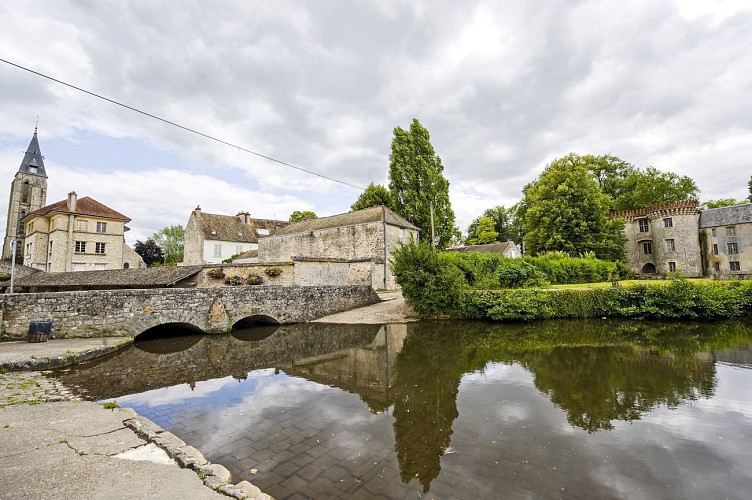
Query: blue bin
(39,331)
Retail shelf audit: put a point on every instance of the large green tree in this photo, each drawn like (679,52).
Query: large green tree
(301,215)
(416,182)
(642,188)
(611,173)
(484,233)
(171,240)
(149,251)
(375,195)
(723,202)
(566,210)
(503,221)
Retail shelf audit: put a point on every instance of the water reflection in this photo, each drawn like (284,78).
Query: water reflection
(595,373)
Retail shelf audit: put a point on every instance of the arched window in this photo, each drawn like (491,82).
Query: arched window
(21,224)
(648,268)
(126,265)
(25,192)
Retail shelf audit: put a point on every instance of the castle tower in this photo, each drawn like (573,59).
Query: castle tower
(28,192)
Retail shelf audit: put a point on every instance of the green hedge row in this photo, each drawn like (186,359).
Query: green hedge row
(680,299)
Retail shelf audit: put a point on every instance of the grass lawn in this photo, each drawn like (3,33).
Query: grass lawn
(627,283)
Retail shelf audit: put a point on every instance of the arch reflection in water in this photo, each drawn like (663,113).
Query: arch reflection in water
(168,338)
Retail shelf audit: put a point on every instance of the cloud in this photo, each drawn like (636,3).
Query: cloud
(503,89)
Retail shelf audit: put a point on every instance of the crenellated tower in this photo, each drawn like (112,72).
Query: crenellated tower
(28,192)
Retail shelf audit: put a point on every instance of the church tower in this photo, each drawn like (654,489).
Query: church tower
(28,192)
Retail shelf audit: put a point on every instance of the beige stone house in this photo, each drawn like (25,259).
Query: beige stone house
(212,238)
(354,247)
(727,236)
(663,238)
(77,235)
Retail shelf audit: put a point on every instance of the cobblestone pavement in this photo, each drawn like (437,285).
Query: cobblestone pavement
(31,388)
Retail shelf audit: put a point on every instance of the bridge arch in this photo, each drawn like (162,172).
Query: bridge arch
(164,329)
(254,320)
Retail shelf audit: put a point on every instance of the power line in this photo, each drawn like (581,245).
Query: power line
(187,129)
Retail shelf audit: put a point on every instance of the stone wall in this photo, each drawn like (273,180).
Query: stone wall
(131,312)
(287,278)
(720,264)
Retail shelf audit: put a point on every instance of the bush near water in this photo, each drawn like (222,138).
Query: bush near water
(491,287)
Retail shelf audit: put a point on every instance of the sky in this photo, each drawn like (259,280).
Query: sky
(504,87)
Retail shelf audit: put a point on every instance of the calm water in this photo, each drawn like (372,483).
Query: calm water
(566,409)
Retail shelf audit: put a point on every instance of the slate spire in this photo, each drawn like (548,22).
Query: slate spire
(33,159)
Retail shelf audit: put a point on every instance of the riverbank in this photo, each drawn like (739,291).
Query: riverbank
(20,355)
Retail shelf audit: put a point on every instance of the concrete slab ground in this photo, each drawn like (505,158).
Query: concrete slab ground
(392,309)
(21,355)
(68,450)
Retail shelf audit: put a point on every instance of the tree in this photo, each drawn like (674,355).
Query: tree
(484,233)
(749,186)
(610,172)
(503,224)
(149,251)
(171,240)
(416,182)
(300,216)
(723,202)
(651,186)
(375,195)
(566,210)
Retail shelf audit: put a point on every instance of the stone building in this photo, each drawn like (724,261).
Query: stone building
(28,192)
(356,245)
(663,238)
(726,233)
(76,235)
(212,238)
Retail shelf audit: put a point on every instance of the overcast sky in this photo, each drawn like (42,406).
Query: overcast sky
(503,88)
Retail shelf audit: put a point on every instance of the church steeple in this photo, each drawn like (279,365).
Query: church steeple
(33,161)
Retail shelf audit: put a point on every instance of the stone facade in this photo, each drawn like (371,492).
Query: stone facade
(727,236)
(131,312)
(28,192)
(76,235)
(350,245)
(212,238)
(663,238)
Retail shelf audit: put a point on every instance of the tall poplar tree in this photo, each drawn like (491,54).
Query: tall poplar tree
(416,181)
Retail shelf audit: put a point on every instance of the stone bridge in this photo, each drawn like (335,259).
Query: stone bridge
(97,313)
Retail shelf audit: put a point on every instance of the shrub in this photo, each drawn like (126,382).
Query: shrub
(4,276)
(524,275)
(215,273)
(253,279)
(233,280)
(272,271)
(430,283)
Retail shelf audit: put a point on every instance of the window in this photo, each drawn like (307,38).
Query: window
(101,227)
(717,267)
(670,246)
(732,248)
(82,225)
(238,249)
(99,248)
(647,248)
(25,192)
(644,225)
(668,222)
(218,250)
(715,249)
(672,267)
(735,266)
(100,267)
(80,246)
(126,265)
(712,232)
(50,250)
(80,266)
(731,231)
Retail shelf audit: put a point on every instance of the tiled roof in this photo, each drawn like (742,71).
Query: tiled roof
(33,158)
(84,206)
(132,278)
(373,214)
(726,216)
(499,248)
(232,228)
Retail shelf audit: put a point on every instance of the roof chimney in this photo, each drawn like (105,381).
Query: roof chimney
(197,211)
(244,217)
(72,199)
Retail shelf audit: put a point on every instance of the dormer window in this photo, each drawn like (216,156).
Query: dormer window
(262,232)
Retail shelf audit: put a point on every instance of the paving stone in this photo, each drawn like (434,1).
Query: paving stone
(309,472)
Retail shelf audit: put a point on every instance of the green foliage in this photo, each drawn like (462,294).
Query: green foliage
(430,283)
(215,273)
(680,299)
(300,216)
(723,202)
(232,257)
(4,276)
(375,195)
(503,221)
(416,181)
(233,280)
(484,233)
(272,271)
(171,240)
(110,405)
(647,187)
(253,279)
(524,275)
(610,172)
(149,251)
(565,210)
(749,188)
